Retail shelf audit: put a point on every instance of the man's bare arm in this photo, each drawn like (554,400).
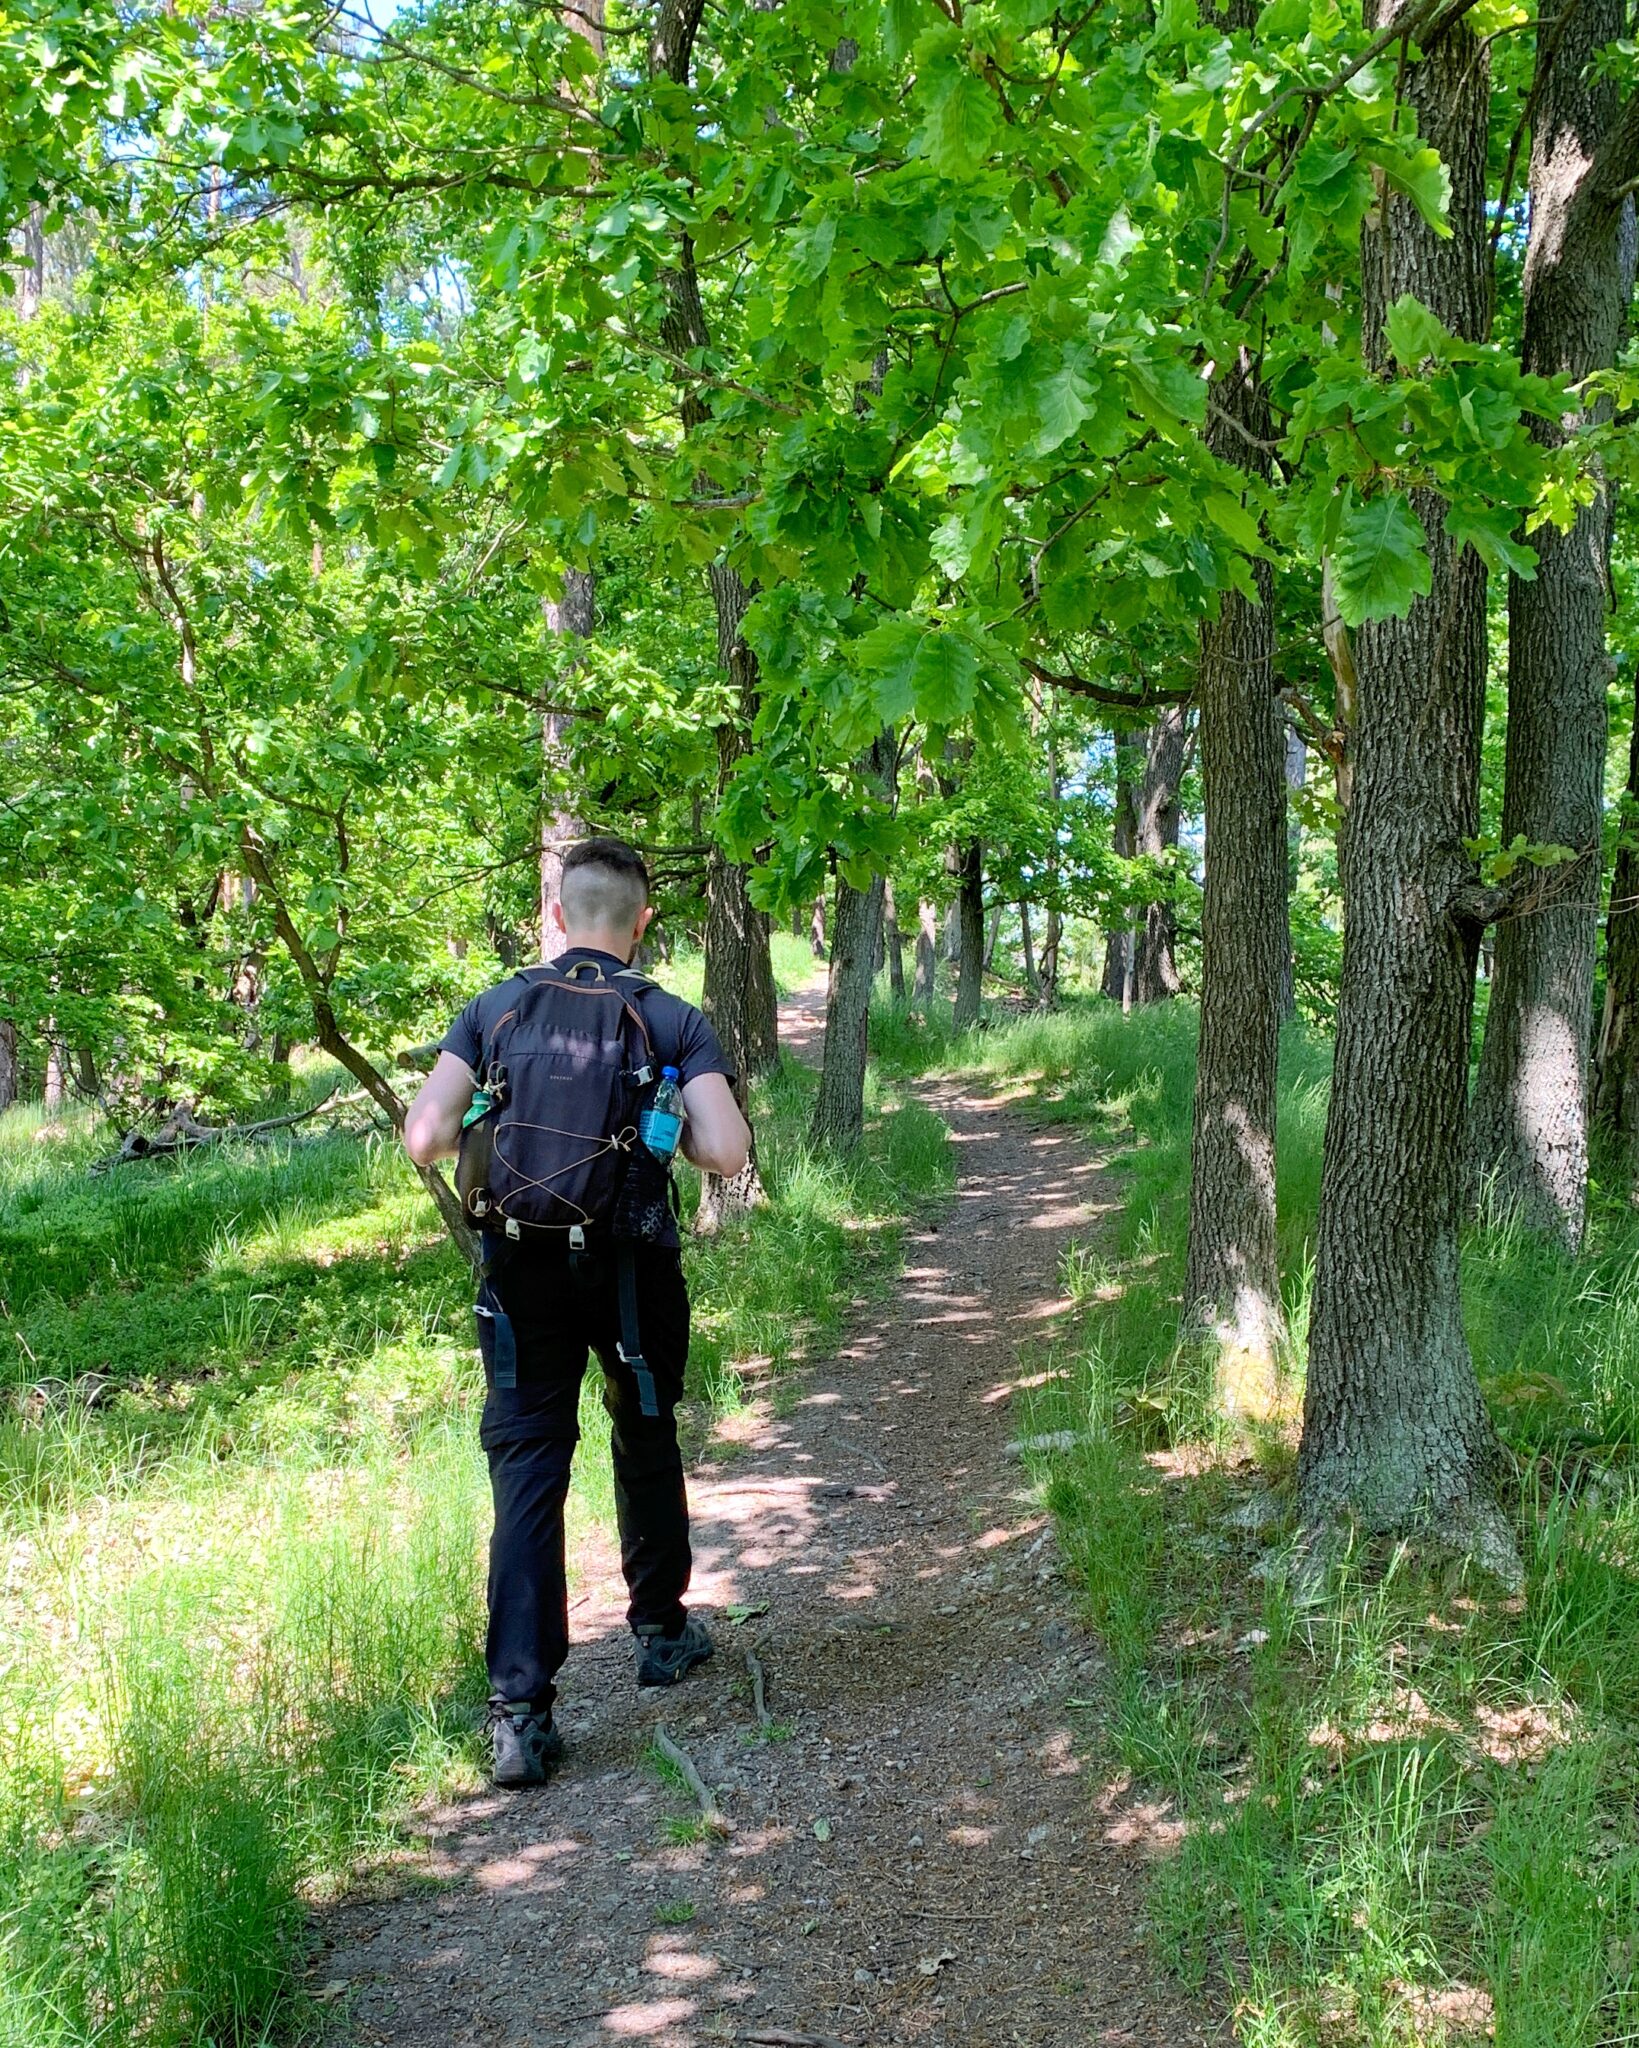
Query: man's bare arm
(716,1137)
(432,1130)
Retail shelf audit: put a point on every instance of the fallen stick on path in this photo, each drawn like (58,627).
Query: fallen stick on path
(782,2037)
(681,1761)
(759,1690)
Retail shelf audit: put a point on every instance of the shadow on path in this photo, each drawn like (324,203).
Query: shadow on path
(921,1855)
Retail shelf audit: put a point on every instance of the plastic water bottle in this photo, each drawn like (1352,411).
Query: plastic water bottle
(661,1124)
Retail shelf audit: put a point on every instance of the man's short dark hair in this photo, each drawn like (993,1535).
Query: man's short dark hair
(605,884)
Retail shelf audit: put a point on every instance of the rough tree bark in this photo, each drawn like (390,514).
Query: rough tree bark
(970,908)
(1155,965)
(839,1109)
(1232,1287)
(738,995)
(816,929)
(8,1063)
(1616,1062)
(1395,1431)
(1529,1121)
(927,954)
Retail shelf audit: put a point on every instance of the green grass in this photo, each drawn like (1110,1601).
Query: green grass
(1406,1810)
(242,1510)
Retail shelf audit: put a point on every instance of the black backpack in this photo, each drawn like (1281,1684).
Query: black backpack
(554,1147)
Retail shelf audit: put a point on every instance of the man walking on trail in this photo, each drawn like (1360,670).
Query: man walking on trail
(541,1084)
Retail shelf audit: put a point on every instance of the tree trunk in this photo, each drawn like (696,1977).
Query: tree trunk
(895,943)
(31,281)
(1616,1061)
(839,1108)
(1232,1288)
(8,1063)
(1118,938)
(1529,1123)
(575,614)
(1032,984)
(738,995)
(970,907)
(1395,1432)
(927,954)
(1297,772)
(1049,970)
(52,1096)
(816,928)
(1047,991)
(993,937)
(1155,966)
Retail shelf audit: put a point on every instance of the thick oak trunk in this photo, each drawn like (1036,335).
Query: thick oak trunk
(1529,1124)
(1232,1288)
(1395,1432)
(970,910)
(839,1108)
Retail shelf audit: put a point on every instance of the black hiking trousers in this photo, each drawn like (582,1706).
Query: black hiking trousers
(529,1434)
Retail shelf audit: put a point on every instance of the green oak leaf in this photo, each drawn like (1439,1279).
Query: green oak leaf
(1413,333)
(1381,560)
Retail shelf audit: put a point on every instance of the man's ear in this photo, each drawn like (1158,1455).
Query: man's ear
(645,918)
(557,915)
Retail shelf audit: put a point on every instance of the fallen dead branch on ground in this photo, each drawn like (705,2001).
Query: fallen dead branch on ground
(181,1132)
(683,1763)
(759,1690)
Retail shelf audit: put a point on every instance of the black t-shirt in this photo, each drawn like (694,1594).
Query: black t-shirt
(681,1036)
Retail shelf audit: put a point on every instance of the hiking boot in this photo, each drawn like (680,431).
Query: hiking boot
(523,1745)
(663,1660)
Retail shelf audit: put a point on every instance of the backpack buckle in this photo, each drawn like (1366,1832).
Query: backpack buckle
(577,1238)
(642,1076)
(512,1229)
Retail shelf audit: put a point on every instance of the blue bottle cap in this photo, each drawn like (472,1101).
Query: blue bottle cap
(669,1073)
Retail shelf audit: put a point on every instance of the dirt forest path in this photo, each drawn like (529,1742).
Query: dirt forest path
(926,1856)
